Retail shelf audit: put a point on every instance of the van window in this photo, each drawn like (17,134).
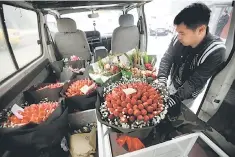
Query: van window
(220,21)
(52,24)
(105,23)
(134,12)
(5,58)
(22,29)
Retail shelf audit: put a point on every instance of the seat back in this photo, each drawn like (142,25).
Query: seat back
(100,53)
(126,36)
(71,41)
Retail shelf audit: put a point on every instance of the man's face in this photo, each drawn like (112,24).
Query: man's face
(186,36)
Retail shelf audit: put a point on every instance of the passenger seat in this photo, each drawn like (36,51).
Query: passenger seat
(126,36)
(71,41)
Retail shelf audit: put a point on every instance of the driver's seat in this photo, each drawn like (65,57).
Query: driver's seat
(71,41)
(126,36)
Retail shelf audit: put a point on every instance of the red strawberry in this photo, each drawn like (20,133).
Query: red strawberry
(130,111)
(149,101)
(123,104)
(135,107)
(111,110)
(146,118)
(111,116)
(150,116)
(144,99)
(150,109)
(143,112)
(136,112)
(133,101)
(145,105)
(140,117)
(155,106)
(140,106)
(139,102)
(116,113)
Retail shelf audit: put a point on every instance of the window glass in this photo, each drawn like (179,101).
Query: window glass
(105,23)
(7,66)
(220,21)
(134,12)
(22,28)
(51,23)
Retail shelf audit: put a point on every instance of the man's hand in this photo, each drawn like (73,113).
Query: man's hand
(174,109)
(173,100)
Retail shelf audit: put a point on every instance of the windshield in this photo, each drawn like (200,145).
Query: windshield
(105,23)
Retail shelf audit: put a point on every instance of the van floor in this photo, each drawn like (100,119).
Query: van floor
(201,149)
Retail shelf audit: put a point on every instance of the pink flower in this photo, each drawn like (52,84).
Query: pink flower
(74,58)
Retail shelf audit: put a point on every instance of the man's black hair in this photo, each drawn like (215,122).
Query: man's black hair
(193,16)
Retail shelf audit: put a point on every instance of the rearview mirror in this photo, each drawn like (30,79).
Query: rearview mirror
(93,15)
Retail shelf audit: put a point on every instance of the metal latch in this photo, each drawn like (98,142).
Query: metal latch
(217,101)
(39,42)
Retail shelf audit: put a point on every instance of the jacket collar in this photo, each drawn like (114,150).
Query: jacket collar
(203,44)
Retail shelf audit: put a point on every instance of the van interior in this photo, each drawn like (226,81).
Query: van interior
(34,34)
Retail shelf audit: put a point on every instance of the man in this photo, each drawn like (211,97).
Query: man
(222,22)
(192,57)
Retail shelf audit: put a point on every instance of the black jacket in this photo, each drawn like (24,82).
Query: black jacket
(190,68)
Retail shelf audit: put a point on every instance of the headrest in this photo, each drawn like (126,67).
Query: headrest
(126,20)
(66,25)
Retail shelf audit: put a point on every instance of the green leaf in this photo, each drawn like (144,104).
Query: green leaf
(150,79)
(129,58)
(146,58)
(100,63)
(126,74)
(99,81)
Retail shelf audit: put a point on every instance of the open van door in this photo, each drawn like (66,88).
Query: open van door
(217,107)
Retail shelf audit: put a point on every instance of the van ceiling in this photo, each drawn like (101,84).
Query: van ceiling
(64,4)
(65,7)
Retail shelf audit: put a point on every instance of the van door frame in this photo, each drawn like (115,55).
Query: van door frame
(220,83)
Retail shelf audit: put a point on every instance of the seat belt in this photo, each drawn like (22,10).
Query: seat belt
(50,41)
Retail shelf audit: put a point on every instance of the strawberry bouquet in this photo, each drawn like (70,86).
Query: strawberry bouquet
(75,63)
(49,91)
(141,65)
(80,94)
(33,126)
(105,70)
(132,106)
(35,113)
